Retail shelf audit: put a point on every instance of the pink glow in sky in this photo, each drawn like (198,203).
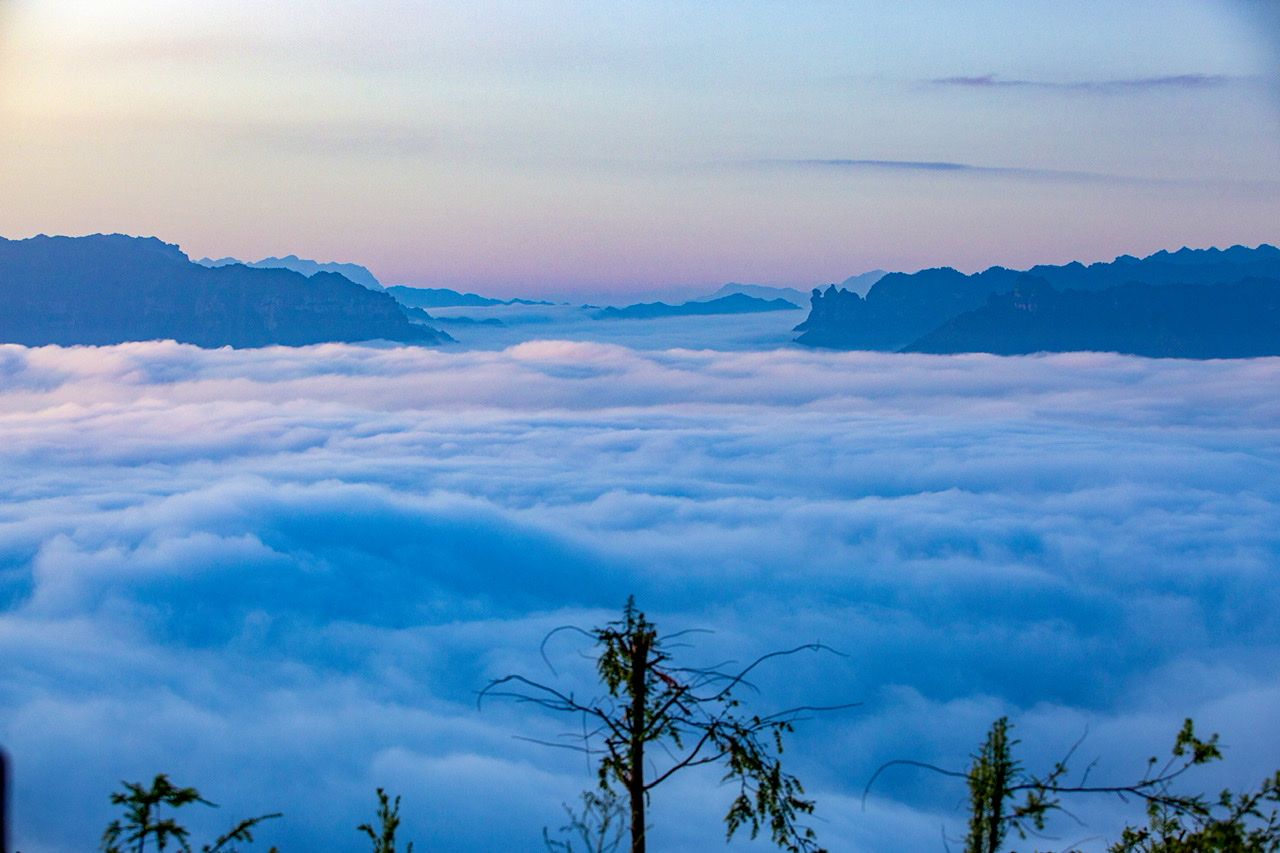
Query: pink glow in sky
(576,148)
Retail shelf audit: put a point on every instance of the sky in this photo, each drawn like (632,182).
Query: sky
(555,147)
(281,575)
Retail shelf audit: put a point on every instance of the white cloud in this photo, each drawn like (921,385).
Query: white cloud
(281,574)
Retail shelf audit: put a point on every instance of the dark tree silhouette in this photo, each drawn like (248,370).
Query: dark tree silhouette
(143,822)
(1004,799)
(383,835)
(4,801)
(657,718)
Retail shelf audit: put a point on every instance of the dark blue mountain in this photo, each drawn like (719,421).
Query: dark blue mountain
(1233,320)
(360,275)
(902,308)
(442,297)
(737,303)
(107,289)
(898,309)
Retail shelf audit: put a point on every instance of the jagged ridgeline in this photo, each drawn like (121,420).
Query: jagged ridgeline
(107,289)
(1193,303)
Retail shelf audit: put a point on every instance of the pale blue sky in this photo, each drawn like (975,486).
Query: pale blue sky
(578,147)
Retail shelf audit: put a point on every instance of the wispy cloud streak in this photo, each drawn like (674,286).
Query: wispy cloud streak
(946,167)
(1173,82)
(938,166)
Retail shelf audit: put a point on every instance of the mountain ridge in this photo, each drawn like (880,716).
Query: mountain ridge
(1223,320)
(354,272)
(902,308)
(443,297)
(111,288)
(735,303)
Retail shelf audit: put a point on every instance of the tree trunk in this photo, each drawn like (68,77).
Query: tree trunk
(4,802)
(638,688)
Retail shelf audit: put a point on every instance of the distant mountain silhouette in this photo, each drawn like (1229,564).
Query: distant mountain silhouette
(862,283)
(737,303)
(360,275)
(1233,320)
(442,297)
(858,284)
(898,309)
(468,321)
(107,289)
(763,291)
(901,308)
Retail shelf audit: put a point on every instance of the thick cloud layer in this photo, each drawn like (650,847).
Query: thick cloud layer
(282,574)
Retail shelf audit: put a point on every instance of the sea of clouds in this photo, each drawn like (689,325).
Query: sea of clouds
(281,575)
(522,323)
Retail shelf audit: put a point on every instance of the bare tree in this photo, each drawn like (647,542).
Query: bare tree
(599,828)
(656,718)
